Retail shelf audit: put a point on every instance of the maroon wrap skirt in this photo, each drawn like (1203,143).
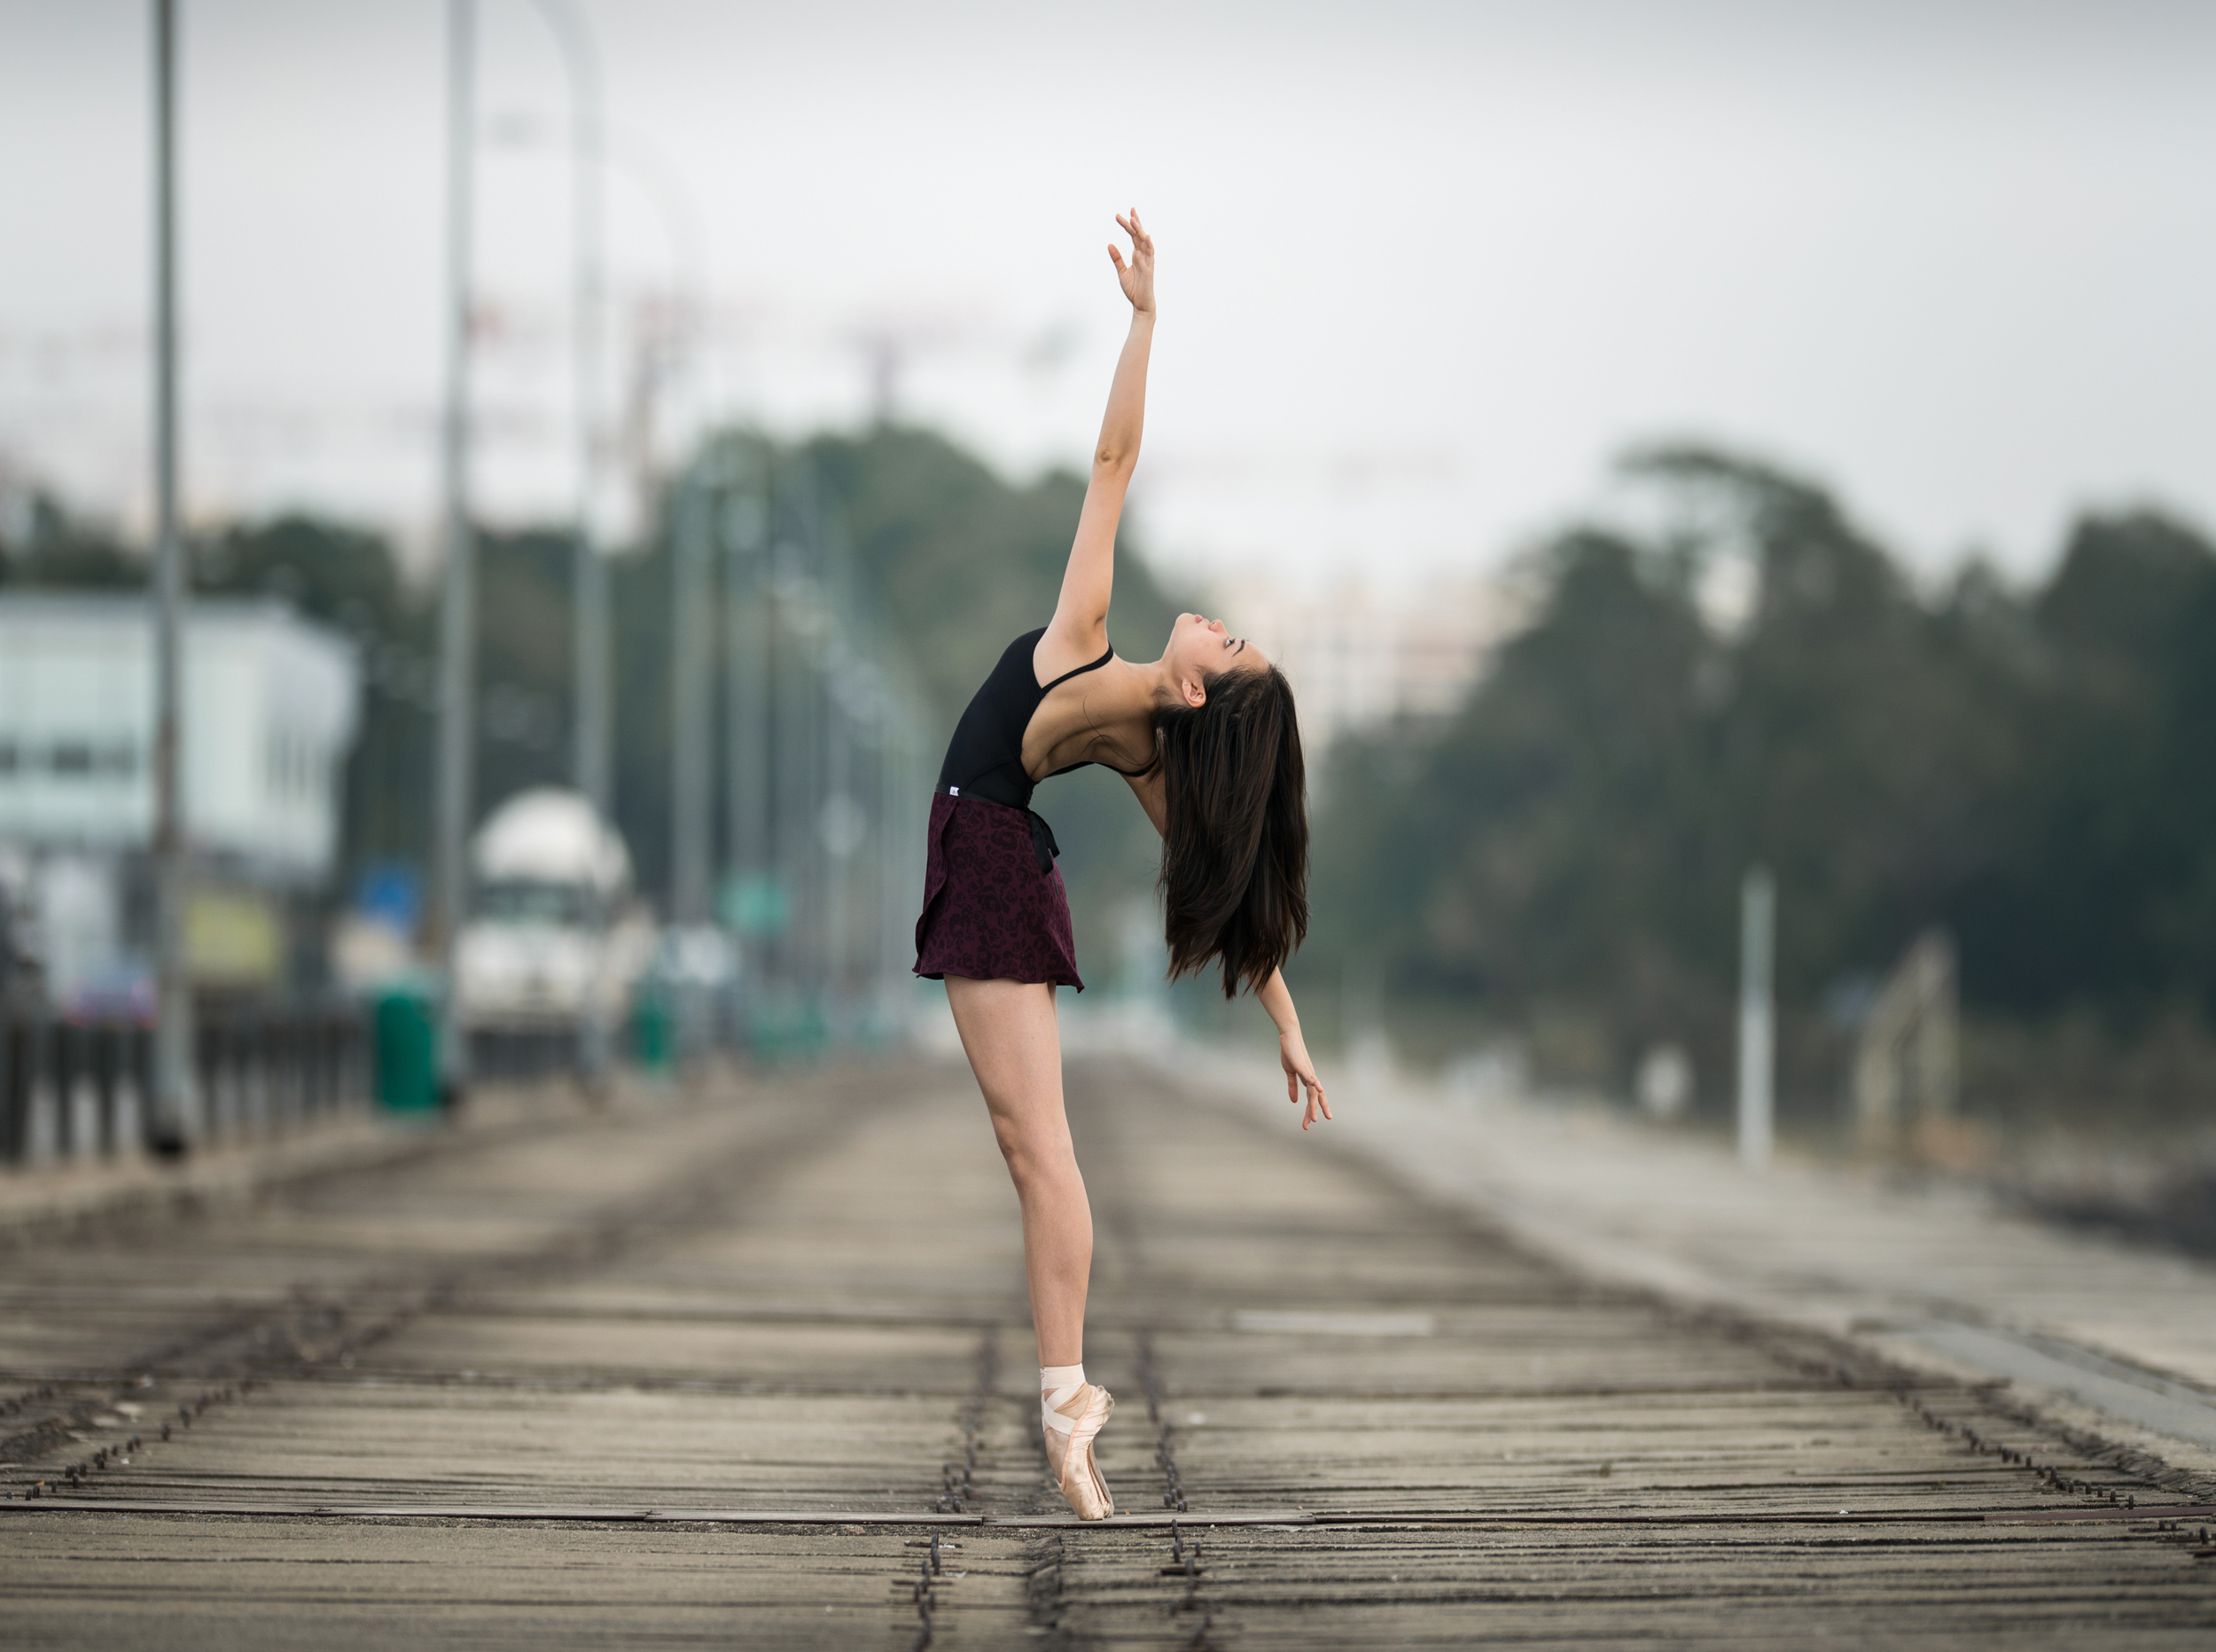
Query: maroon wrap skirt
(990,913)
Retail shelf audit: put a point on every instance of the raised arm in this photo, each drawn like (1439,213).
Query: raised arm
(1079,630)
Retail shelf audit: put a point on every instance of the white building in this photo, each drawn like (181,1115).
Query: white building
(1358,660)
(269,704)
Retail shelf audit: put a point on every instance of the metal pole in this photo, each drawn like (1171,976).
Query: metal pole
(1757,925)
(835,829)
(898,846)
(792,688)
(589,730)
(815,711)
(777,731)
(457,613)
(744,609)
(690,761)
(1938,1030)
(885,807)
(835,825)
(176,1111)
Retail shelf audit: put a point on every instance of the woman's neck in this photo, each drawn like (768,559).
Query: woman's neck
(1158,682)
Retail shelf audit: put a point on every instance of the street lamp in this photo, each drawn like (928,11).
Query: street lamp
(745,523)
(173,1099)
(691,543)
(691,549)
(457,615)
(590,730)
(664,190)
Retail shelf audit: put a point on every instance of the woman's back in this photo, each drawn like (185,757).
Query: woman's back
(986,757)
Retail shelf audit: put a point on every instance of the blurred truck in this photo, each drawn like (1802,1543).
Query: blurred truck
(556,940)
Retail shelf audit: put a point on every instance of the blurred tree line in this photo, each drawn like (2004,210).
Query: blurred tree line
(957,560)
(1560,860)
(2031,771)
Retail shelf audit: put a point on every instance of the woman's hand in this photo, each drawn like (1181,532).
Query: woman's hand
(1137,277)
(1292,1056)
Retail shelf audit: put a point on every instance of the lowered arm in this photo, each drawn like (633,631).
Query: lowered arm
(1275,997)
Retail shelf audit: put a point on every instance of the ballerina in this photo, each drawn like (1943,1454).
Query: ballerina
(1207,738)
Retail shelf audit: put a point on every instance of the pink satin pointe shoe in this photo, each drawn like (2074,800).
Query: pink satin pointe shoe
(1070,1427)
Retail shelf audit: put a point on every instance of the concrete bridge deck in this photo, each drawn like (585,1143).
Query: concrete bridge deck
(756,1368)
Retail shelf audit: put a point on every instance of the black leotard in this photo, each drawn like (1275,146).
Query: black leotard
(986,757)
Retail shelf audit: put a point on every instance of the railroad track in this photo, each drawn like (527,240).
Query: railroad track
(761,1370)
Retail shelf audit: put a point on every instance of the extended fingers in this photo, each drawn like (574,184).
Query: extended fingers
(1302,1080)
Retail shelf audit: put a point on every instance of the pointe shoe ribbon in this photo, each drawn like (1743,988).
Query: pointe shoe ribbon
(1070,1427)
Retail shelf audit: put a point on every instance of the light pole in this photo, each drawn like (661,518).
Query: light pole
(691,549)
(458,605)
(900,837)
(1758,947)
(746,647)
(791,685)
(692,546)
(811,705)
(590,720)
(175,1100)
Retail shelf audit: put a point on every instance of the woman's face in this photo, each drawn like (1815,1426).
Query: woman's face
(1200,647)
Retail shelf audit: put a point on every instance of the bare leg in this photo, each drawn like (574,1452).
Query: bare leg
(1015,1047)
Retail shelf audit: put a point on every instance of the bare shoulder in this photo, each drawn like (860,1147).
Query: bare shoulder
(1100,716)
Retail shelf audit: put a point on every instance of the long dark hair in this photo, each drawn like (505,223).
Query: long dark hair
(1235,842)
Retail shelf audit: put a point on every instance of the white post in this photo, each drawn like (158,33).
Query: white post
(1757,925)
(176,1111)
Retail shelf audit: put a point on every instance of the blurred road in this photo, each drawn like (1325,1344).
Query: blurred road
(727,1368)
(2118,1336)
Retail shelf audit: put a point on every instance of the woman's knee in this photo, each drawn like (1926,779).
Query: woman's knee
(1037,1166)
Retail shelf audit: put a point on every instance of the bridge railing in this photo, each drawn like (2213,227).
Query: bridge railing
(79,1090)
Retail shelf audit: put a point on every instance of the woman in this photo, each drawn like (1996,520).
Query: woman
(1206,737)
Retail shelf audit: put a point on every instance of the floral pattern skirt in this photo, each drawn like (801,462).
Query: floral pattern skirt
(990,914)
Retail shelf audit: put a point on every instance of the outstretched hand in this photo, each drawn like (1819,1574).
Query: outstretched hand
(1137,277)
(1292,1056)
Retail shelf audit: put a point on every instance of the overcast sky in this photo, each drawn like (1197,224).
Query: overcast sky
(1424,268)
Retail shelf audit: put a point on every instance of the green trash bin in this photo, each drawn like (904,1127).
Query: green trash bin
(655,1026)
(406,1024)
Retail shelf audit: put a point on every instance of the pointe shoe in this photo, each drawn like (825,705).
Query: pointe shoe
(1070,1429)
